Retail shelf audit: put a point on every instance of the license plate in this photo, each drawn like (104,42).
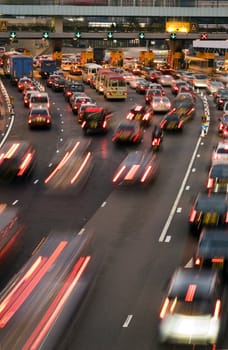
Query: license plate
(171,125)
(138,116)
(210,218)
(93,124)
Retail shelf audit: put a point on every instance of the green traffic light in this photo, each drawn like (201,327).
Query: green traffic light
(141,35)
(110,35)
(78,35)
(173,36)
(45,35)
(13,35)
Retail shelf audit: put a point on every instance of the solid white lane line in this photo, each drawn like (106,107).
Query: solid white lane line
(175,204)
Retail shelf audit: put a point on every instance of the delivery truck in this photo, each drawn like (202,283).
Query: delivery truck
(20,66)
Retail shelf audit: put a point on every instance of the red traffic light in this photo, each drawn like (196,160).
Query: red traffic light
(204,36)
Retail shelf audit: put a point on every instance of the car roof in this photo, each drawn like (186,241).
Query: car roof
(138,157)
(183,279)
(213,243)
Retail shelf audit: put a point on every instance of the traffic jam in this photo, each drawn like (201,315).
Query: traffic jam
(193,309)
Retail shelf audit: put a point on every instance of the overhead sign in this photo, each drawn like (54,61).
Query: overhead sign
(194,28)
(211,44)
(180,27)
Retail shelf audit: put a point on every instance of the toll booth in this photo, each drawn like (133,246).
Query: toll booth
(116,58)
(86,57)
(209,56)
(146,58)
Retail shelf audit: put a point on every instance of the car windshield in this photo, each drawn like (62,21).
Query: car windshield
(38,99)
(201,76)
(211,205)
(126,128)
(213,248)
(219,171)
(39,111)
(94,115)
(222,150)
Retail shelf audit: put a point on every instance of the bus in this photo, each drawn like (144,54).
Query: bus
(115,87)
(200,65)
(100,77)
(89,70)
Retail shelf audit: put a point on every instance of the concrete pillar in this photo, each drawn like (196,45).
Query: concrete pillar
(58,24)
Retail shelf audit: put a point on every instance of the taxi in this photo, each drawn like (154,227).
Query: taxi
(39,117)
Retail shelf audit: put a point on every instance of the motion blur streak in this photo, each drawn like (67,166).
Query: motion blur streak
(131,173)
(62,162)
(26,289)
(55,308)
(13,291)
(146,173)
(119,173)
(25,164)
(217,309)
(81,168)
(12,150)
(164,308)
(10,243)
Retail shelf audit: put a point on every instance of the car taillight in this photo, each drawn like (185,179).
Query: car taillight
(156,141)
(197,262)
(130,116)
(210,183)
(217,309)
(163,123)
(25,163)
(164,308)
(146,116)
(180,124)
(192,216)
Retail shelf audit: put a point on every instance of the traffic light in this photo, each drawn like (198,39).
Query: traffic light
(13,35)
(45,35)
(203,36)
(77,35)
(141,36)
(173,36)
(110,35)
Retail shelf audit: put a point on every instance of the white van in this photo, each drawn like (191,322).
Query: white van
(38,99)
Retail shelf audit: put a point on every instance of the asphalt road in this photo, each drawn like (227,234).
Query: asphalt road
(139,249)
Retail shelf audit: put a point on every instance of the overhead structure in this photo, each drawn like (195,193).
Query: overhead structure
(211,44)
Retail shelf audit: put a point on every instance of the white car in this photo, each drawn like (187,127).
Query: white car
(134,82)
(213,86)
(200,80)
(166,80)
(128,77)
(161,104)
(220,153)
(192,308)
